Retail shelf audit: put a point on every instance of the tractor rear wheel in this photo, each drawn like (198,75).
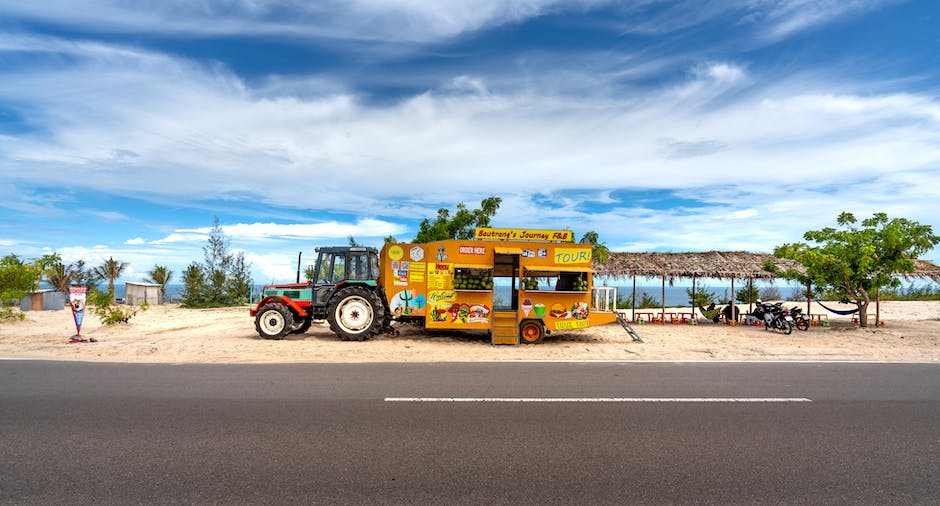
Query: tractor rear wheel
(356,314)
(273,321)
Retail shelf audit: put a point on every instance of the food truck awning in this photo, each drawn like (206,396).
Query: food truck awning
(502,250)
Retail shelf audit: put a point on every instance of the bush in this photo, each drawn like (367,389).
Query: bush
(10,313)
(647,301)
(624,300)
(109,313)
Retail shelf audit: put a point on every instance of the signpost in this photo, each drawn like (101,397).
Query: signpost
(77,296)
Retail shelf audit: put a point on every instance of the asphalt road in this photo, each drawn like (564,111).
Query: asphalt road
(357,434)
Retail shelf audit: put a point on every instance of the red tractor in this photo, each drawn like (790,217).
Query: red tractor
(345,292)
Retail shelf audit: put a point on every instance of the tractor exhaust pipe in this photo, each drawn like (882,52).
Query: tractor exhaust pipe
(299,253)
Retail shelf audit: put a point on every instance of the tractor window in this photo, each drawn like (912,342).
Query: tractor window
(326,264)
(339,269)
(359,266)
(374,262)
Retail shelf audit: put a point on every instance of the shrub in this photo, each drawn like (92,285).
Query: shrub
(109,313)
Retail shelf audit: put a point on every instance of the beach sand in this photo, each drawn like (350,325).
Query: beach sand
(169,334)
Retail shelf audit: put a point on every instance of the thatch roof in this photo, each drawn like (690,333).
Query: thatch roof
(925,269)
(709,264)
(715,264)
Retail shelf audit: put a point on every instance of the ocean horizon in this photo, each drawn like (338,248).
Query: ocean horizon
(676,295)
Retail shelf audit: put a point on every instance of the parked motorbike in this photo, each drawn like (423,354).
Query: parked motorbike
(776,317)
(801,320)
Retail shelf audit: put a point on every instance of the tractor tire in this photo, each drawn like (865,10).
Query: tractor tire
(531,332)
(301,325)
(356,313)
(274,321)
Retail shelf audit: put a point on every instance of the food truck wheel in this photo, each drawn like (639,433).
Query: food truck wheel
(531,332)
(355,314)
(273,321)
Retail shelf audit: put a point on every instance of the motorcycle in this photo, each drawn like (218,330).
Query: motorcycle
(776,317)
(801,321)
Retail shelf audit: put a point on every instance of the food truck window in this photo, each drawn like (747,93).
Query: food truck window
(559,281)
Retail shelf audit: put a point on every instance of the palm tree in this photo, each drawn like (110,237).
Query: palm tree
(59,276)
(160,275)
(111,269)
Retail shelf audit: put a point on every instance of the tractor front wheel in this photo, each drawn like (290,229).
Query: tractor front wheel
(356,314)
(273,321)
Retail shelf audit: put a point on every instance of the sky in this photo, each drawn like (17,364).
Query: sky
(128,126)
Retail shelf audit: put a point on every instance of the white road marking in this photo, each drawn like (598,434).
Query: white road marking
(597,399)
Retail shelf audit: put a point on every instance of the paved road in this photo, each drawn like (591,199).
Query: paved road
(317,433)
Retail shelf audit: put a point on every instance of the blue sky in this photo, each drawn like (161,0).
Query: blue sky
(127,126)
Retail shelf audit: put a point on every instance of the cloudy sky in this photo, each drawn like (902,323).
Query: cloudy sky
(126,126)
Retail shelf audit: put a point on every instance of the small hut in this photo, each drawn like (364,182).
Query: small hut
(136,294)
(43,300)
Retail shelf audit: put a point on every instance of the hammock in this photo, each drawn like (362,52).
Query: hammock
(838,311)
(710,314)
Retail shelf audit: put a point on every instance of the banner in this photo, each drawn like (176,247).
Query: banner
(523,234)
(77,302)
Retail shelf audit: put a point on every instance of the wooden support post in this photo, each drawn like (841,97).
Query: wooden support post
(633,311)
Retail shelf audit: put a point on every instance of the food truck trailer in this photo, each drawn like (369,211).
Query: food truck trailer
(518,284)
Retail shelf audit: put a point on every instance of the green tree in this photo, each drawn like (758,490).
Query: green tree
(648,301)
(194,286)
(857,260)
(310,272)
(461,225)
(223,280)
(83,276)
(17,278)
(747,295)
(599,251)
(218,263)
(56,273)
(702,297)
(161,275)
(110,269)
(390,239)
(239,282)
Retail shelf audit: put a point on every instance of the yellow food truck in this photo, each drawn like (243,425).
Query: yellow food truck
(518,284)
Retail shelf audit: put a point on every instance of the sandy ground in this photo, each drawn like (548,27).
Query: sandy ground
(169,334)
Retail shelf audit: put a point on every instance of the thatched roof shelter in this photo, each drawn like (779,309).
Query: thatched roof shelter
(716,264)
(709,264)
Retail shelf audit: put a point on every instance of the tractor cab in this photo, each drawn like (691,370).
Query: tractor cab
(337,265)
(340,273)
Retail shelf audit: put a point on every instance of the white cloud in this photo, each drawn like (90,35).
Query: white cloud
(791,16)
(383,20)
(135,241)
(177,237)
(260,231)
